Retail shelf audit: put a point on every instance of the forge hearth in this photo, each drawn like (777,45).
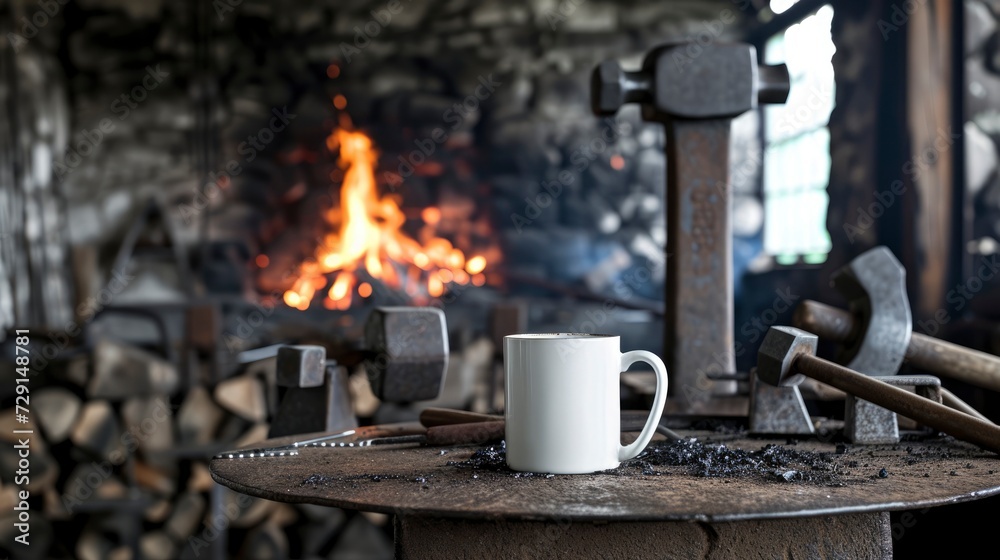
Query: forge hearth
(367,249)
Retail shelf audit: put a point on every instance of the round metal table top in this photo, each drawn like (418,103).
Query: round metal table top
(409,479)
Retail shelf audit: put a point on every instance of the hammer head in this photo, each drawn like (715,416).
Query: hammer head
(777,354)
(408,349)
(875,285)
(691,81)
(301,366)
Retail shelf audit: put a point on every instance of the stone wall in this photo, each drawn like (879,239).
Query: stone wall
(507,82)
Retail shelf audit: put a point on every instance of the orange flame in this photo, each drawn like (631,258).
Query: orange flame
(367,233)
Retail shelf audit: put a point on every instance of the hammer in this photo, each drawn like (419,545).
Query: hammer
(696,96)
(406,360)
(788,354)
(878,331)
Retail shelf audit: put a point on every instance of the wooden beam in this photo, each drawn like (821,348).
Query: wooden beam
(929,45)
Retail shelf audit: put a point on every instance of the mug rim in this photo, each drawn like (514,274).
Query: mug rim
(558,336)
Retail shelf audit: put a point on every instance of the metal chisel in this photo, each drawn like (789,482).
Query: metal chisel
(455,434)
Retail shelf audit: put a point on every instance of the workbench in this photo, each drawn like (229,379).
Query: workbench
(444,508)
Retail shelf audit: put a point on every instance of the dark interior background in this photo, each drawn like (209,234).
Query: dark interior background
(119,113)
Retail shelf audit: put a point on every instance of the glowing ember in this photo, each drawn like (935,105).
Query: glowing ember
(367,235)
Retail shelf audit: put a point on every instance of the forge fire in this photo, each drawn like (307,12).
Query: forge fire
(367,243)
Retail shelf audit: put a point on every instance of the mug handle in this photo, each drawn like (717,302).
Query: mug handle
(626,452)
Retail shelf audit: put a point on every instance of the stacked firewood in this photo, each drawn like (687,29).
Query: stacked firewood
(119,467)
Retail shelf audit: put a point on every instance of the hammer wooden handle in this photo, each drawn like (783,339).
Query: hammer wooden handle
(925,352)
(459,434)
(431,417)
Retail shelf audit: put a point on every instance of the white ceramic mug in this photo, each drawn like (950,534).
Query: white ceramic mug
(563,409)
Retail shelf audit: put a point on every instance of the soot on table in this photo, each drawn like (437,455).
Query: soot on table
(690,456)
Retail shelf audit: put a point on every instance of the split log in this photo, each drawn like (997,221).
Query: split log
(158,512)
(198,418)
(89,481)
(8,497)
(57,410)
(264,542)
(200,479)
(233,428)
(120,553)
(98,431)
(157,545)
(53,507)
(249,515)
(122,371)
(86,279)
(148,420)
(256,433)
(244,396)
(92,545)
(154,479)
(363,398)
(189,510)
(78,370)
(283,515)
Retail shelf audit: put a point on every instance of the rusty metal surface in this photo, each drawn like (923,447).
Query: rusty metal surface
(927,412)
(860,536)
(778,410)
(699,326)
(412,480)
(867,422)
(875,284)
(695,98)
(408,353)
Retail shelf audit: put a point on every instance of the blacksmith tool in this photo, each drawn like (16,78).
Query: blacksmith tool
(787,356)
(696,91)
(875,285)
(631,421)
(921,351)
(406,360)
(454,434)
(315,393)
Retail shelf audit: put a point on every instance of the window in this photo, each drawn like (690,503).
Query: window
(797,143)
